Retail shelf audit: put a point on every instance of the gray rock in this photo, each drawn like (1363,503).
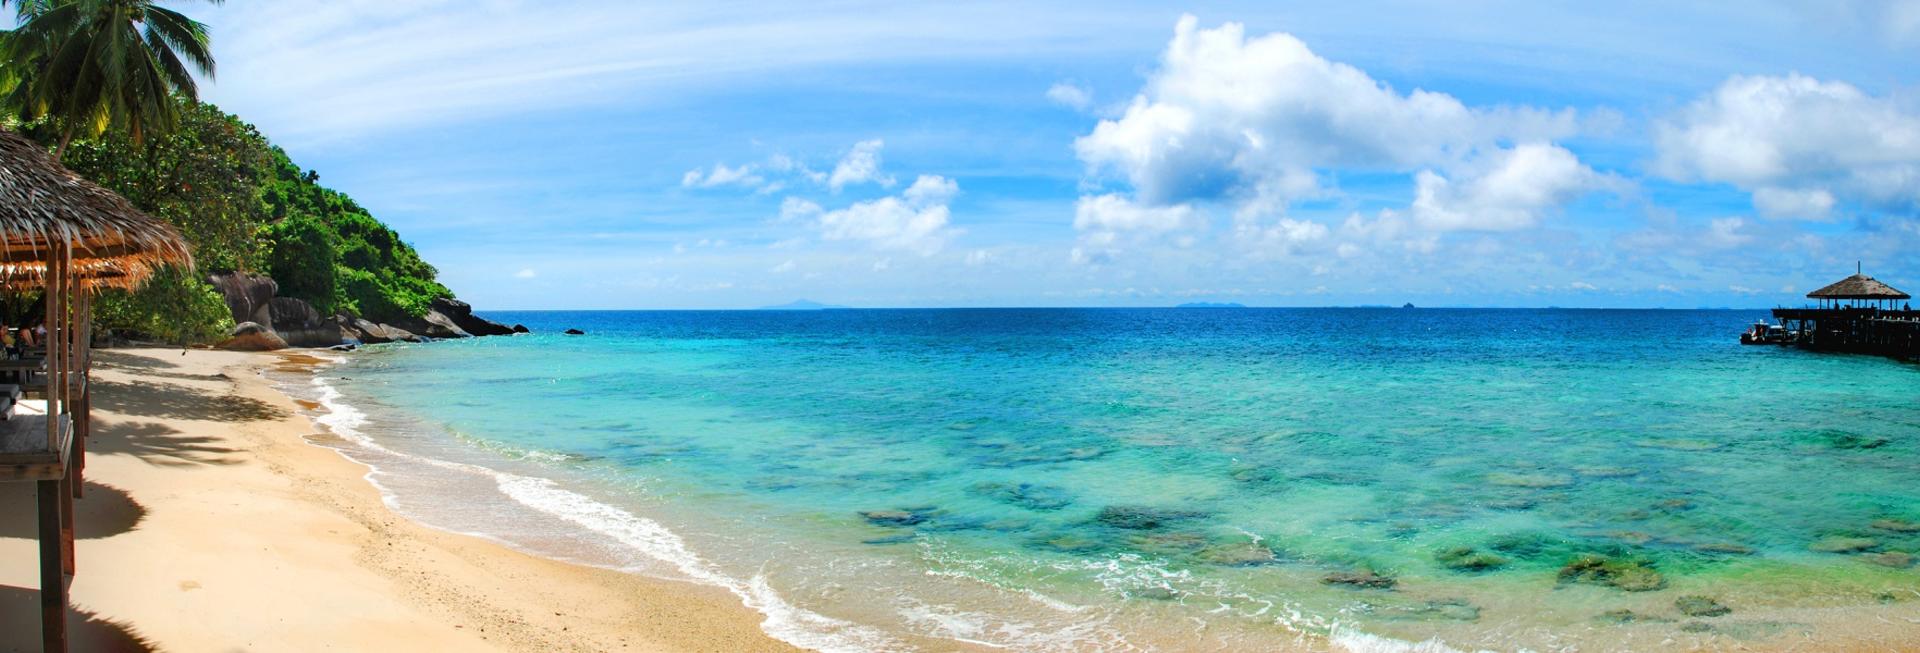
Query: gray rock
(250,336)
(462,317)
(247,296)
(301,326)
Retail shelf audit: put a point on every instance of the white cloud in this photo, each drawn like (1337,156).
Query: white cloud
(1508,190)
(1582,285)
(860,165)
(916,221)
(1815,204)
(525,273)
(1115,213)
(1801,145)
(1070,96)
(794,208)
(721,175)
(783,268)
(1227,116)
(979,257)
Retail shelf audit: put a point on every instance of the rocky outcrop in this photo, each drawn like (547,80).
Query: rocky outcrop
(433,325)
(251,336)
(301,326)
(461,315)
(247,296)
(521,328)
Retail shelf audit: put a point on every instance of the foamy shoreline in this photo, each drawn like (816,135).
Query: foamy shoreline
(211,523)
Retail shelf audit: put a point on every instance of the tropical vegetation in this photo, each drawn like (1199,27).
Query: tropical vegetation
(109,86)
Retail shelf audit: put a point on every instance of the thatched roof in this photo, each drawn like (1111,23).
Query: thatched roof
(1858,286)
(43,204)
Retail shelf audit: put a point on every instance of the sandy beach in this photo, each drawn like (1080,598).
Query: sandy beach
(212,523)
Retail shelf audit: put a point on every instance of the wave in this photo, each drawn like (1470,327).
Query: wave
(783,620)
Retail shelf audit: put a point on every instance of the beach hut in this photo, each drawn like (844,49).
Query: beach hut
(68,237)
(1859,291)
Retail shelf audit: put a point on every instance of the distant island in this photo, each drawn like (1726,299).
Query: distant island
(1211,305)
(1408,305)
(801,305)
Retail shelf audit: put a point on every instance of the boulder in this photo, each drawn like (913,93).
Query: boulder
(462,317)
(402,335)
(433,325)
(575,332)
(301,326)
(247,296)
(250,336)
(367,332)
(521,328)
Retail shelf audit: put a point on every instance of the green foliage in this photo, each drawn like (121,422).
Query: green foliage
(176,306)
(372,273)
(205,178)
(244,205)
(97,66)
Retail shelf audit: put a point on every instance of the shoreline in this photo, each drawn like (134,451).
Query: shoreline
(213,522)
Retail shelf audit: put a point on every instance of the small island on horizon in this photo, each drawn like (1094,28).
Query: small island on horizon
(1211,305)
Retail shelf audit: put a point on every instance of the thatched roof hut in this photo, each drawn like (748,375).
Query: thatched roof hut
(69,236)
(44,206)
(1858,287)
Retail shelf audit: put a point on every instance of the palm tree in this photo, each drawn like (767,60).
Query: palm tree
(91,65)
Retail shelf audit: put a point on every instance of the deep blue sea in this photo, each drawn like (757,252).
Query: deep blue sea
(1180,479)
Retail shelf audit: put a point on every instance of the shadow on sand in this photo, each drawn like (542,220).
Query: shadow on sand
(175,401)
(86,631)
(106,511)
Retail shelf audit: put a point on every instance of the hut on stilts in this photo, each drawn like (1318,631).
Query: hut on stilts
(67,237)
(1858,314)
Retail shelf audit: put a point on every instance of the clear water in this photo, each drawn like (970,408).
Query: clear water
(1175,479)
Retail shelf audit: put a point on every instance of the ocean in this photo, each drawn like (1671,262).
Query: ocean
(1178,479)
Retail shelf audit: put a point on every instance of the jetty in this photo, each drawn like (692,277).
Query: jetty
(1858,314)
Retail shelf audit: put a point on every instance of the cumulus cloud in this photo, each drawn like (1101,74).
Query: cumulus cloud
(916,221)
(1508,191)
(1070,96)
(1799,144)
(526,273)
(1228,116)
(1107,222)
(722,175)
(860,165)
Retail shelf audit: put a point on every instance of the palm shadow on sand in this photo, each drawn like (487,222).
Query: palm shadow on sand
(86,631)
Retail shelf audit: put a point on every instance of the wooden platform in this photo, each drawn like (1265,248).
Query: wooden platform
(25,453)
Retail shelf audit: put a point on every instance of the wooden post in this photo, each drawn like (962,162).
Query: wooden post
(53,579)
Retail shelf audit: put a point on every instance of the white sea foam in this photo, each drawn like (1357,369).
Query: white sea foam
(1353,640)
(783,620)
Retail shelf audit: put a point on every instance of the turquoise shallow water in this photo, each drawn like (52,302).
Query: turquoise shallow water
(1078,479)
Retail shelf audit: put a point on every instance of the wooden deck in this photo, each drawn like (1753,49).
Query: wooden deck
(27,455)
(1857,330)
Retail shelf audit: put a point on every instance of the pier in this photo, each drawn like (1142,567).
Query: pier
(1858,314)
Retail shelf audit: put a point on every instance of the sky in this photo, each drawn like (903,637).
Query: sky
(554,154)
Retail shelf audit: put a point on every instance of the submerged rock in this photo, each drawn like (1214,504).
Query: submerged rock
(1700,606)
(1026,495)
(1696,627)
(1894,559)
(1069,543)
(1845,440)
(574,332)
(1242,554)
(1176,543)
(1155,594)
(893,517)
(1896,525)
(1626,575)
(1451,609)
(1839,544)
(1624,616)
(893,539)
(1364,579)
(1142,518)
(1607,472)
(1533,481)
(1723,547)
(1676,444)
(1466,558)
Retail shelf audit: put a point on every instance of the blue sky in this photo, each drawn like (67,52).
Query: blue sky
(617,155)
